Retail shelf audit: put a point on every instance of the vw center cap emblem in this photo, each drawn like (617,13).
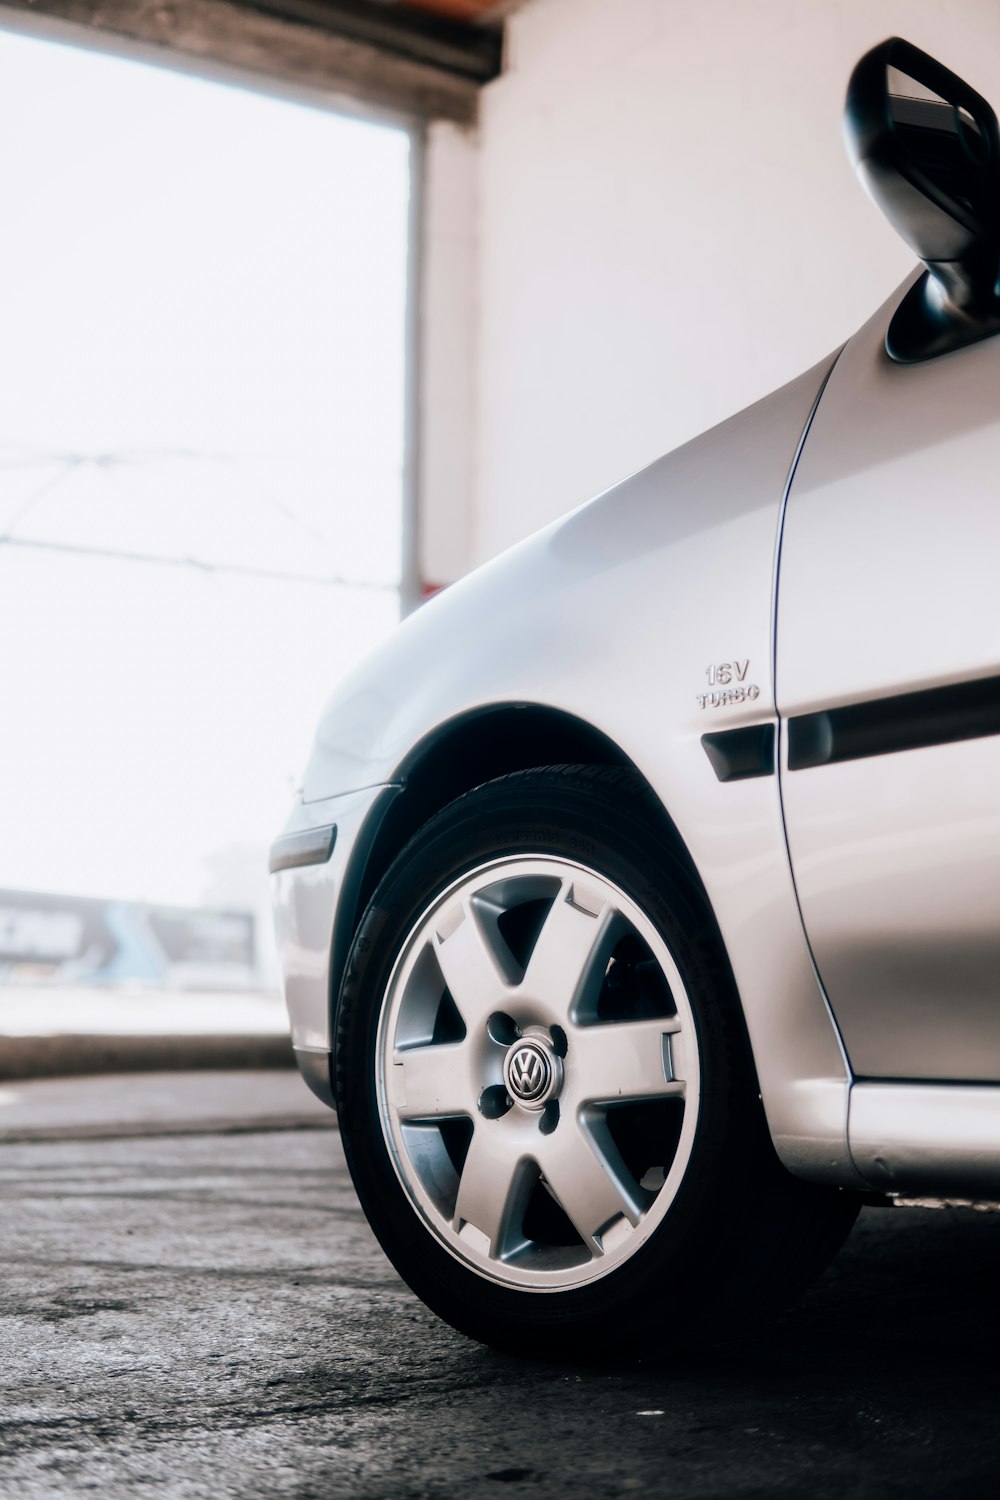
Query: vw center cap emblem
(528,1072)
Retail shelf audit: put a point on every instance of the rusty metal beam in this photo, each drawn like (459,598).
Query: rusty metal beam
(418,72)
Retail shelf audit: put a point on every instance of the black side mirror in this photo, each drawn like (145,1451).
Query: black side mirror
(927,148)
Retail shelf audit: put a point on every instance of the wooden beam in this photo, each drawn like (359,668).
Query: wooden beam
(472,52)
(274,47)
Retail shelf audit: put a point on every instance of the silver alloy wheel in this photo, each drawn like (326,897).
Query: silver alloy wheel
(537,1073)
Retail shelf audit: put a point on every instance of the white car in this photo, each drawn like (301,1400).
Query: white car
(640,911)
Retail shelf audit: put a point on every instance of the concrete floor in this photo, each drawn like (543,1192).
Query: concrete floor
(207,1315)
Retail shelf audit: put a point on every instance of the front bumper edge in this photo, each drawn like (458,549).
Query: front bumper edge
(315,1065)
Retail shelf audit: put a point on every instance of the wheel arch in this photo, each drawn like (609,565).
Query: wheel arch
(463,753)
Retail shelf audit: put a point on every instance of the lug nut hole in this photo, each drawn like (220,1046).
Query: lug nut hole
(494,1102)
(503,1029)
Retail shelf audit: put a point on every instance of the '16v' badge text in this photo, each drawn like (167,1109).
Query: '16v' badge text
(727,684)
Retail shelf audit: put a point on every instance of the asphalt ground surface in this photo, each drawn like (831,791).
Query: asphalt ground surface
(207,1314)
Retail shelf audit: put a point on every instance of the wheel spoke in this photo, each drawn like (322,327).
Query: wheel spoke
(546,1182)
(589,1180)
(431,1082)
(495,1183)
(565,962)
(630,1060)
(470,968)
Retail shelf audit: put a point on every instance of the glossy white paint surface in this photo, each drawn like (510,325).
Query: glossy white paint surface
(889,585)
(892,534)
(927,1137)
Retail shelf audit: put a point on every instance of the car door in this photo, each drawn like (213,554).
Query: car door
(888,686)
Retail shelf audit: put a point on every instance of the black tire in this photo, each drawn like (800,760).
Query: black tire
(740,1235)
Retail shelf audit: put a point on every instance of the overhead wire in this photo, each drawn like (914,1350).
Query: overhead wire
(276,575)
(114,461)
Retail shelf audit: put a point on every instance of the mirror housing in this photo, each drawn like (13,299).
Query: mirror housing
(930,159)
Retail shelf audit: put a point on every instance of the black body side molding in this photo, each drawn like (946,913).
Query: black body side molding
(910,721)
(739,753)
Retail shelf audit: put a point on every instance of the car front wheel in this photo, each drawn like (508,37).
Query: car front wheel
(545,1091)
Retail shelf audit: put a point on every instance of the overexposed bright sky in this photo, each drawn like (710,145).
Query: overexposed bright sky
(201,356)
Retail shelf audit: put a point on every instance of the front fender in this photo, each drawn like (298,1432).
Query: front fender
(648,614)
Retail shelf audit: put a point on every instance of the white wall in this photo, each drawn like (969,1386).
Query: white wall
(668,227)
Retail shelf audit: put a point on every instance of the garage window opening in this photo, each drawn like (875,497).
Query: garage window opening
(201,452)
